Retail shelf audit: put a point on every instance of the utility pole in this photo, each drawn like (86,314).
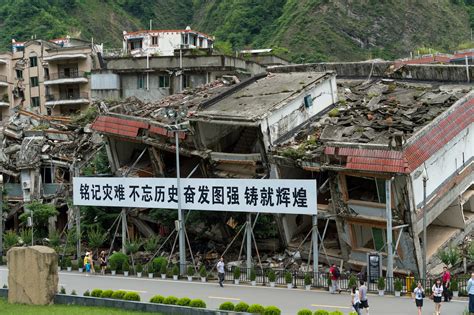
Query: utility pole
(423,273)
(182,246)
(249,241)
(315,244)
(388,207)
(1,216)
(124,230)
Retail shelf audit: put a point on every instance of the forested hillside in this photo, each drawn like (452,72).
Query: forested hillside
(303,30)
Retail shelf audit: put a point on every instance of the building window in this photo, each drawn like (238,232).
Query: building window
(135,44)
(154,40)
(366,189)
(34,81)
(141,81)
(368,237)
(164,81)
(35,101)
(308,101)
(33,62)
(186,81)
(47,175)
(19,74)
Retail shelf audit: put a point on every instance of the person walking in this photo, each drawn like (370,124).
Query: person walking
(355,300)
(335,274)
(437,290)
(470,292)
(87,263)
(221,271)
(446,284)
(102,262)
(419,295)
(364,303)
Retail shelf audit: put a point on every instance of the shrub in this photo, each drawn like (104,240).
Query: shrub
(131,296)
(336,313)
(381,283)
(398,285)
(96,293)
(163,269)
(157,299)
(197,303)
(253,274)
(62,290)
(125,266)
(237,273)
(352,313)
(119,259)
(321,312)
(288,277)
(158,262)
(272,310)
(139,268)
(454,285)
(113,265)
(450,256)
(271,275)
(329,281)
(175,270)
(190,271)
(352,281)
(183,301)
(307,279)
(73,292)
(203,272)
(118,295)
(107,294)
(256,309)
(170,300)
(305,311)
(241,307)
(227,306)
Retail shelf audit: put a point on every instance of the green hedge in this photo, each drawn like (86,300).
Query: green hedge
(131,296)
(157,299)
(272,310)
(170,300)
(227,306)
(96,293)
(118,295)
(305,312)
(321,312)
(241,307)
(336,313)
(183,301)
(256,309)
(107,294)
(197,303)
(87,293)
(158,262)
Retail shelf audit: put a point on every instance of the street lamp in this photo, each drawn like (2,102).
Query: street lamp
(178,114)
(425,179)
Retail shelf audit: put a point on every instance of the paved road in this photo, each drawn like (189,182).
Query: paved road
(289,301)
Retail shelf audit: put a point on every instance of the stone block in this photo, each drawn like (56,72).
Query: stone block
(32,275)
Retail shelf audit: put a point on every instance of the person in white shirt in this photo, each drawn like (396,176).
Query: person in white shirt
(419,295)
(437,290)
(220,271)
(355,300)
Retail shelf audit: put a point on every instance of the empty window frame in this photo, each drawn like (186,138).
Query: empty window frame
(164,81)
(154,40)
(141,81)
(366,188)
(35,101)
(33,61)
(19,74)
(368,237)
(34,81)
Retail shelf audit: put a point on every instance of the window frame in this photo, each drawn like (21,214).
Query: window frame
(34,81)
(33,61)
(33,103)
(164,81)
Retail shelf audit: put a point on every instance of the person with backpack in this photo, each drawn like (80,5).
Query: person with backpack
(419,295)
(335,274)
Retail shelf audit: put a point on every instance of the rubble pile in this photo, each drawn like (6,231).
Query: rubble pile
(191,98)
(29,140)
(374,112)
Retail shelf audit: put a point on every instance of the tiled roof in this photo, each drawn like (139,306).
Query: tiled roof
(424,60)
(439,133)
(118,126)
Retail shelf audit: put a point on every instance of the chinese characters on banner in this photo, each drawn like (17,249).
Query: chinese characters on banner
(239,195)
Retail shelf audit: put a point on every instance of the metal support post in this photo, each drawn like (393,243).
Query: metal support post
(314,237)
(124,230)
(1,216)
(249,240)
(182,237)
(423,272)
(388,207)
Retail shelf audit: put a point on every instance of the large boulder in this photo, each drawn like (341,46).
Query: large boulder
(32,275)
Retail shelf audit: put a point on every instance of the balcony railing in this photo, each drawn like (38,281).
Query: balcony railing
(72,74)
(67,96)
(3,78)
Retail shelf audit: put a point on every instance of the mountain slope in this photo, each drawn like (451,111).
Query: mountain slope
(306,30)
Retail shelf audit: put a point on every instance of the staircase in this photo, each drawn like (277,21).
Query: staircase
(247,140)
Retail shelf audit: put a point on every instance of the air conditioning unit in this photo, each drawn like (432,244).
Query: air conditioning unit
(26,184)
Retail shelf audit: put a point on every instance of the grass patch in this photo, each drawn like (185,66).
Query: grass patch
(14,309)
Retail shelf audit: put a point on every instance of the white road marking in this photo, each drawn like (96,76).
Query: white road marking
(223,298)
(128,290)
(330,306)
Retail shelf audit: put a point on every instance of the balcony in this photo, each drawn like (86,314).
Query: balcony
(74,98)
(3,62)
(3,80)
(66,77)
(4,101)
(64,56)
